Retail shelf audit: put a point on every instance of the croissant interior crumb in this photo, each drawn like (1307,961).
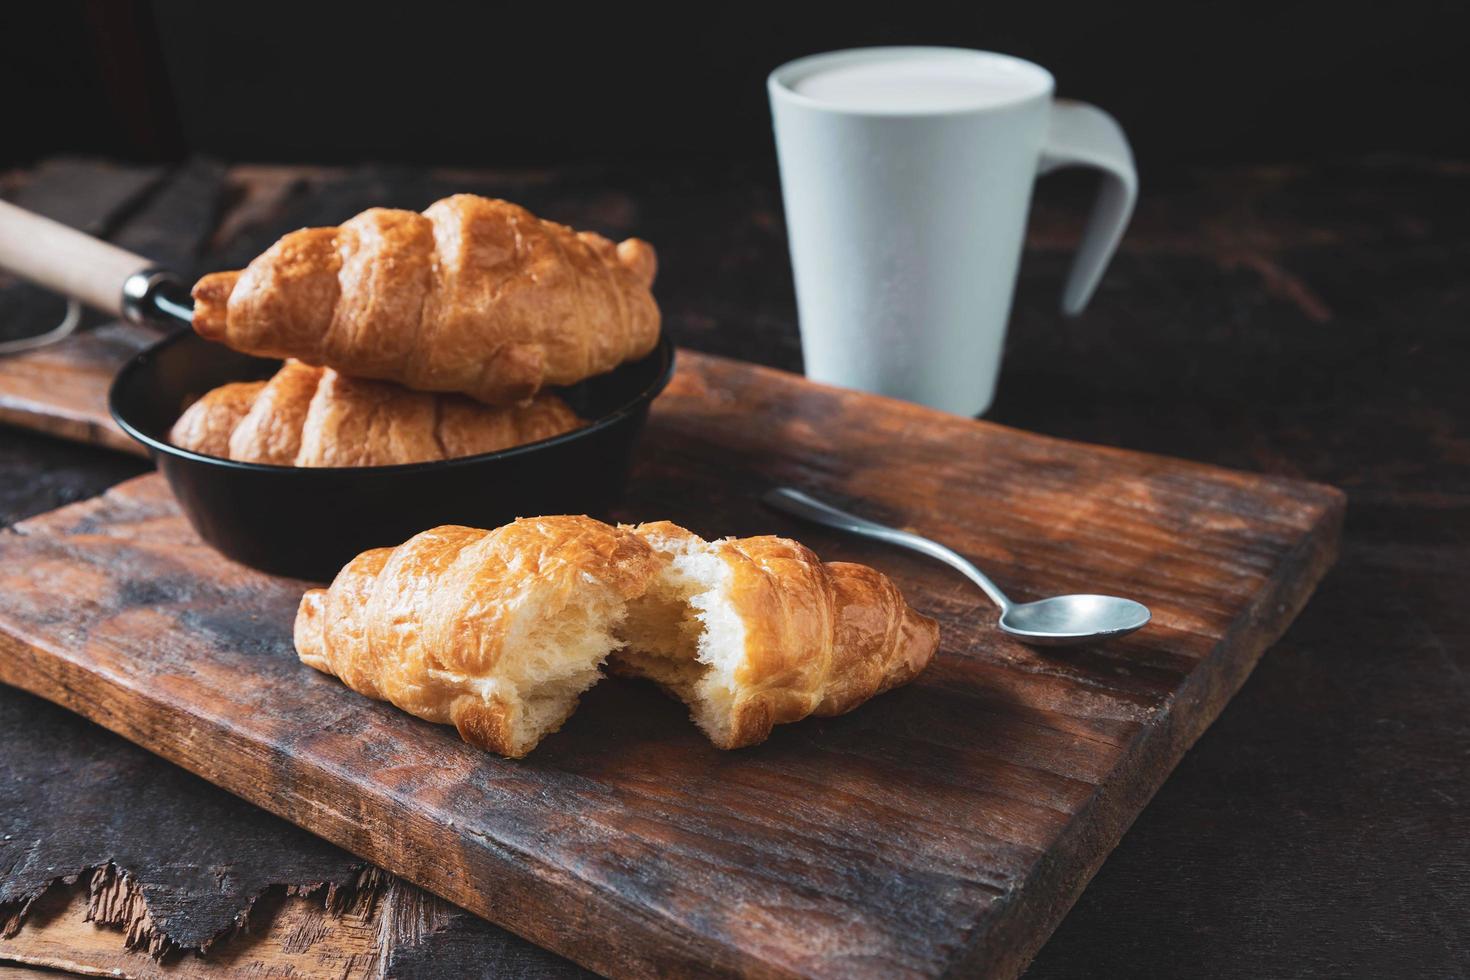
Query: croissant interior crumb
(685,633)
(552,654)
(550,657)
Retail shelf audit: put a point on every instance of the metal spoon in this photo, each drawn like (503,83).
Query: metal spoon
(1057,621)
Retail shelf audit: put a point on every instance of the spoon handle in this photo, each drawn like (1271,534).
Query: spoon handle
(791,501)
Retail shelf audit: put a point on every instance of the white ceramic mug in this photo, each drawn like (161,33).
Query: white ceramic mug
(906,200)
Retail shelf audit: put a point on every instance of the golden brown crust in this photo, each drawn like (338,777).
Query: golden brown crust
(212,303)
(352,422)
(475,295)
(431,625)
(640,259)
(387,270)
(428,625)
(308,416)
(782,593)
(345,643)
(271,431)
(879,642)
(205,426)
(468,428)
(293,287)
(820,638)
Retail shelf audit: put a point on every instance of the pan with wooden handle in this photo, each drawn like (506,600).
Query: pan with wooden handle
(307,522)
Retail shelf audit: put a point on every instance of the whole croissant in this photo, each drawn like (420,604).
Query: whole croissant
(474,295)
(308,416)
(499,632)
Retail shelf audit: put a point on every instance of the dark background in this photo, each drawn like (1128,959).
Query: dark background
(551,84)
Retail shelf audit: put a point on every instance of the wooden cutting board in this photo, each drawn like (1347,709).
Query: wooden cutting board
(944,828)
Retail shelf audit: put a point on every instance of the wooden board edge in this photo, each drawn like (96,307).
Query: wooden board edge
(74,428)
(1018,934)
(132,714)
(1003,951)
(1086,842)
(288,931)
(1325,494)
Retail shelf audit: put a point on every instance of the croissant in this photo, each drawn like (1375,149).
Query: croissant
(308,416)
(755,632)
(495,632)
(271,431)
(206,425)
(499,632)
(474,295)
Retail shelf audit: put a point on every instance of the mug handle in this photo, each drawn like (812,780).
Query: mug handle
(1082,135)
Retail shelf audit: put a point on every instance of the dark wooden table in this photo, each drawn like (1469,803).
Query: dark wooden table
(1306,321)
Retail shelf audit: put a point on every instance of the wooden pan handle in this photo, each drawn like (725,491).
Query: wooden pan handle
(73,263)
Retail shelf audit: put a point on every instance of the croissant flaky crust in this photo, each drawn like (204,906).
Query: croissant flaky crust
(474,295)
(206,425)
(495,632)
(309,416)
(764,633)
(499,632)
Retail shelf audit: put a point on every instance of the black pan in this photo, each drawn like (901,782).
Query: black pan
(307,522)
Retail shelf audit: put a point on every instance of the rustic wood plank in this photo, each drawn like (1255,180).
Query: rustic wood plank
(945,827)
(62,389)
(290,935)
(387,928)
(41,473)
(173,225)
(177,851)
(167,865)
(93,195)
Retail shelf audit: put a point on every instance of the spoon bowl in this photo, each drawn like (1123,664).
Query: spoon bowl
(1066,619)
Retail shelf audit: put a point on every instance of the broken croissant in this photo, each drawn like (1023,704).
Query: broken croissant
(474,295)
(308,416)
(499,632)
